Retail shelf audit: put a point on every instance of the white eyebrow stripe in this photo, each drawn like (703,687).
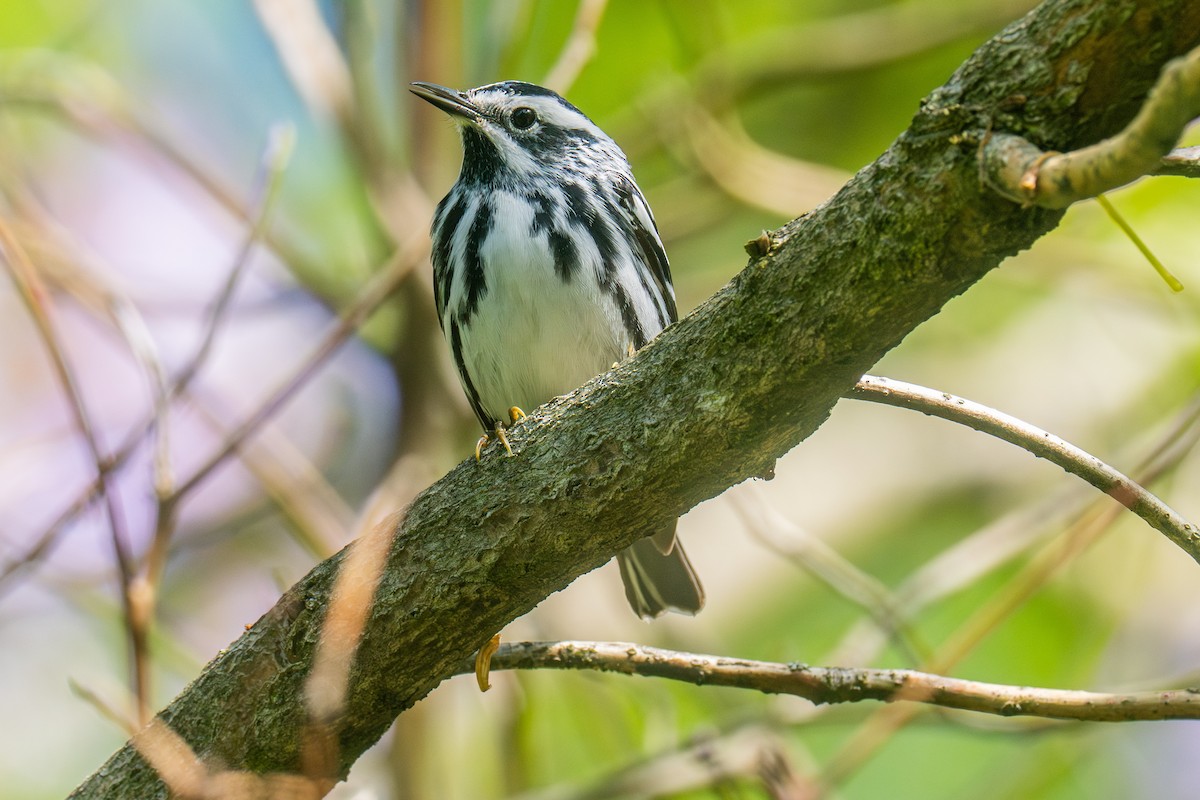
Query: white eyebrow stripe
(554,113)
(549,110)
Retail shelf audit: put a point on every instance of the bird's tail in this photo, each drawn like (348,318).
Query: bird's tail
(658,577)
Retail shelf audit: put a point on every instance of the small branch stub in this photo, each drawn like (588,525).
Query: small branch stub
(1182,163)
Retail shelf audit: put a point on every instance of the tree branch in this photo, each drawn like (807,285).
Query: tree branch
(823,685)
(1042,444)
(1023,172)
(713,401)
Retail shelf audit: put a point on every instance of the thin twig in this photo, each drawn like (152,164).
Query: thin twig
(266,183)
(579,48)
(95,105)
(45,542)
(847,684)
(782,537)
(350,603)
(64,263)
(375,293)
(272,164)
(1045,445)
(35,296)
(310,56)
(996,544)
(1142,247)
(1013,595)
(318,517)
(281,141)
(372,296)
(103,707)
(68,264)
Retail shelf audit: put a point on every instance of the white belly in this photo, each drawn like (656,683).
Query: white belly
(535,336)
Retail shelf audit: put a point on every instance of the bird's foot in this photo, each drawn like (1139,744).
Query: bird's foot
(515,414)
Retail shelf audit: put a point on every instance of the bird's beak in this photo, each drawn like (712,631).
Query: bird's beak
(453,102)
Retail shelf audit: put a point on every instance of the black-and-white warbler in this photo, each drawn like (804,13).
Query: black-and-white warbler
(548,268)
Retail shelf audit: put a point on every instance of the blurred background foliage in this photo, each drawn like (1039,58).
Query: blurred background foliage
(153,152)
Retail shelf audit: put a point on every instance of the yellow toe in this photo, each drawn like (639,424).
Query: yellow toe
(503,437)
(483,662)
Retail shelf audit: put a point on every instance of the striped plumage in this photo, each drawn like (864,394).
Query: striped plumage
(548,268)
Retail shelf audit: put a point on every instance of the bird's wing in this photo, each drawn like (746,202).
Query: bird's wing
(644,233)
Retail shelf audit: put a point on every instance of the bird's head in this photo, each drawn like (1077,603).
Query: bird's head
(515,131)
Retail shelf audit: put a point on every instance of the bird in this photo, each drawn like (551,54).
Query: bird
(548,269)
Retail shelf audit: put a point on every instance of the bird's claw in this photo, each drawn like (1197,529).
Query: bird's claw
(503,437)
(483,662)
(516,415)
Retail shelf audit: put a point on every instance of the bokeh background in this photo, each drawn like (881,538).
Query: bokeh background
(158,155)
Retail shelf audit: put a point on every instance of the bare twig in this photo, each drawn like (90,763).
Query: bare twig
(847,684)
(274,160)
(103,707)
(1142,247)
(998,543)
(320,520)
(1035,574)
(849,42)
(281,141)
(189,778)
(25,277)
(784,538)
(579,47)
(311,57)
(375,293)
(66,263)
(272,164)
(1042,444)
(748,171)
(45,542)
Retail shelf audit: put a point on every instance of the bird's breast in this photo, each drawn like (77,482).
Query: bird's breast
(540,330)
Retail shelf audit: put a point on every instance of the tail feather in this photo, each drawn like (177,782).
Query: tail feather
(659,578)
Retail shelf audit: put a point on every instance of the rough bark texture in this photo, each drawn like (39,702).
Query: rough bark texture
(715,400)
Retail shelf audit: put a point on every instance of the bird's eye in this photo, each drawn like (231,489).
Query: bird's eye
(523,118)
